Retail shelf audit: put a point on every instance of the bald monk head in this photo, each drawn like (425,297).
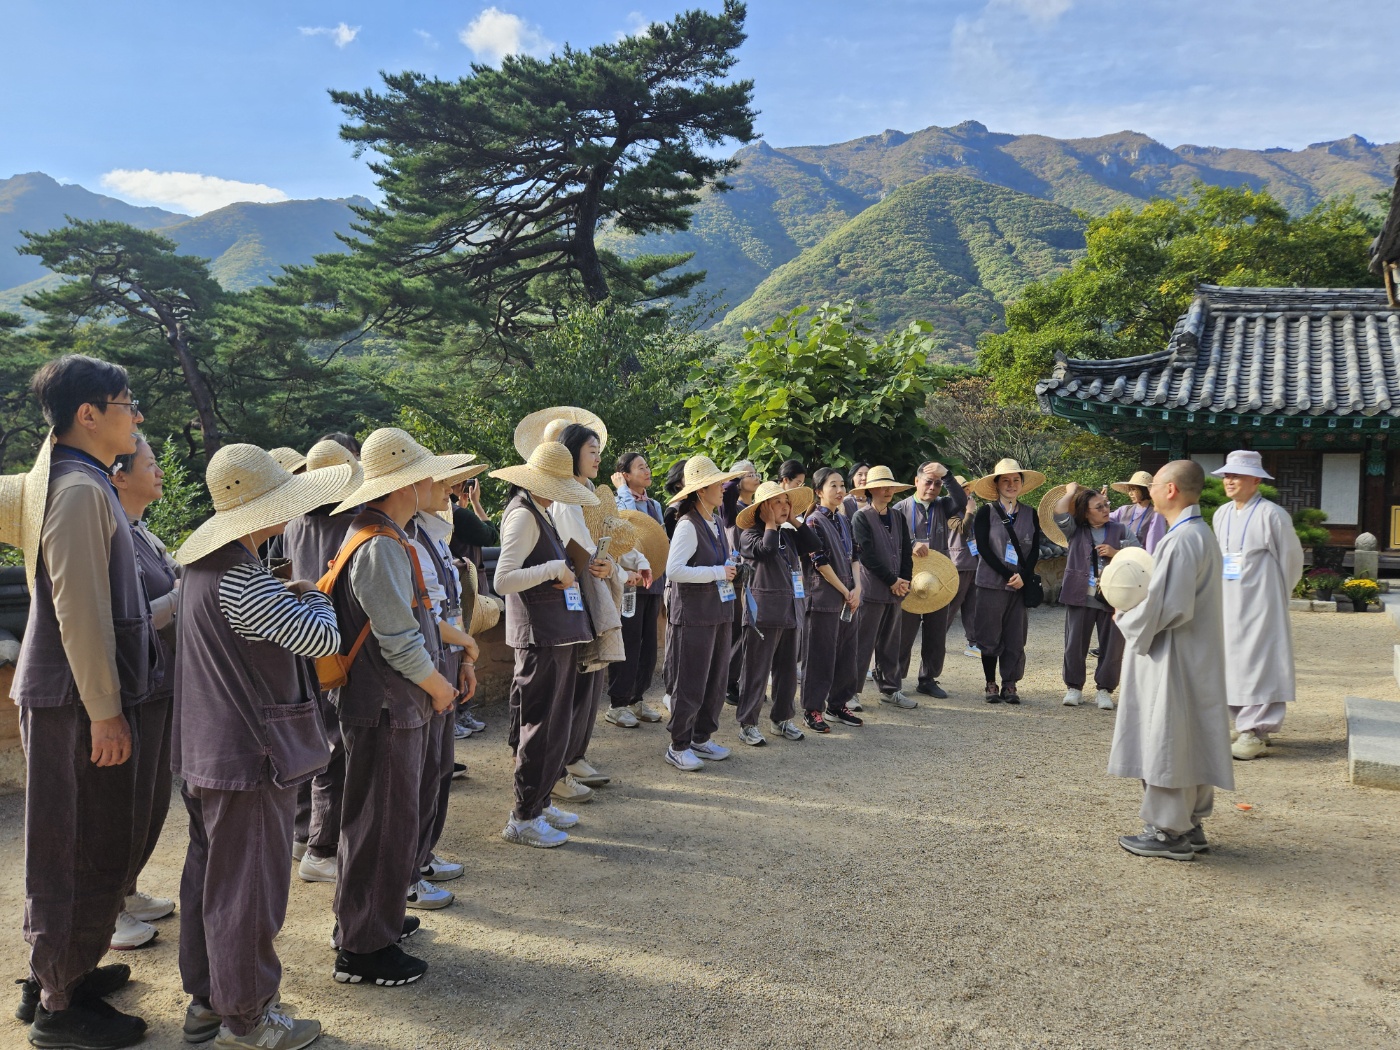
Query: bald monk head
(1177,486)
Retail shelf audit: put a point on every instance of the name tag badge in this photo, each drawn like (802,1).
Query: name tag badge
(1093,584)
(972,547)
(1010,557)
(726,590)
(798,590)
(1234,565)
(573,599)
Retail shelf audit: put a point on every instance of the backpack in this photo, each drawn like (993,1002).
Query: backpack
(334,671)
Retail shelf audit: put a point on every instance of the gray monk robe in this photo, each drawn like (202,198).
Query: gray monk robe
(1265,550)
(1172,730)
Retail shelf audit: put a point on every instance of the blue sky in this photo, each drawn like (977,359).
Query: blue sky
(163,102)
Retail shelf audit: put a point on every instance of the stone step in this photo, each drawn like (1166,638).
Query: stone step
(1373,741)
(1392,607)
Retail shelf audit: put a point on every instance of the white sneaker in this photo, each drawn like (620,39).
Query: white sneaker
(570,790)
(460,731)
(1104,699)
(439,870)
(317,869)
(666,702)
(424,895)
(559,818)
(146,908)
(686,760)
(298,850)
(621,717)
(870,675)
(855,705)
(537,833)
(1249,745)
(751,736)
(972,651)
(275,1030)
(473,723)
(585,774)
(710,751)
(1073,697)
(131,933)
(645,712)
(898,699)
(1234,734)
(788,730)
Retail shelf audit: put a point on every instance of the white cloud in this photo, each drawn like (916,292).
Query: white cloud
(494,33)
(636,23)
(341,34)
(428,39)
(1035,10)
(186,190)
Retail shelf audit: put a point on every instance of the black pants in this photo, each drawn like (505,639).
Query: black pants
(931,631)
(878,631)
(629,680)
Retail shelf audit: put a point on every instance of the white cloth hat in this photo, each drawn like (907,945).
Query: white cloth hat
(1246,462)
(1125,578)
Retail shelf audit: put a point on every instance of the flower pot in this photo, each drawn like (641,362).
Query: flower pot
(1323,594)
(1358,604)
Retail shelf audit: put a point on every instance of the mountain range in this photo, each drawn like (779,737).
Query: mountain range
(944,224)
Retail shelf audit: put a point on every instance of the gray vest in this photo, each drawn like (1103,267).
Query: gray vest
(963,559)
(774,557)
(245,710)
(540,616)
(1025,537)
(1074,590)
(930,527)
(699,604)
(873,590)
(371,683)
(822,596)
(313,540)
(44,677)
(159,580)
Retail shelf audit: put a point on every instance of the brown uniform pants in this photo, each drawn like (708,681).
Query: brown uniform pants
(774,653)
(878,631)
(1080,623)
(588,694)
(701,674)
(832,675)
(318,800)
(1001,630)
(154,784)
(931,631)
(965,602)
(541,697)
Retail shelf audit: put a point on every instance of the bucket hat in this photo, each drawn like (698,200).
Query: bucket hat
(1246,462)
(549,474)
(329,453)
(985,487)
(1125,578)
(802,499)
(391,459)
(548,423)
(1046,513)
(604,520)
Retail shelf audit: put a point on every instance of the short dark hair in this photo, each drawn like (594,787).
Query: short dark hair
(791,469)
(625,461)
(1080,507)
(819,478)
(128,459)
(73,380)
(342,439)
(925,465)
(573,437)
(675,478)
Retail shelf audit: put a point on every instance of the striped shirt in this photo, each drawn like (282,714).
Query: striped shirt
(260,608)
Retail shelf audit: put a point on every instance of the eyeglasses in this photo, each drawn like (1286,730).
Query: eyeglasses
(133,404)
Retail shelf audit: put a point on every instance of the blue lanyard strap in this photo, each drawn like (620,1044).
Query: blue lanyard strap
(1186,521)
(1253,506)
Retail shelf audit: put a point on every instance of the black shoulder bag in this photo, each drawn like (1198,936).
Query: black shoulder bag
(1032,591)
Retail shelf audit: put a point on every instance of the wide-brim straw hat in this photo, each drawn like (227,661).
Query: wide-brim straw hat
(604,520)
(391,460)
(486,613)
(548,423)
(802,499)
(22,501)
(457,475)
(1126,577)
(1246,462)
(1046,513)
(700,473)
(330,453)
(651,538)
(933,583)
(549,474)
(880,477)
(251,492)
(1140,479)
(985,487)
(289,459)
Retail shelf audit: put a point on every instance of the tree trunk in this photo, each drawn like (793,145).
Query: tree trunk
(585,252)
(200,392)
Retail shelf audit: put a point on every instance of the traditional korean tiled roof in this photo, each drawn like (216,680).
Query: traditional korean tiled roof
(1385,249)
(1258,351)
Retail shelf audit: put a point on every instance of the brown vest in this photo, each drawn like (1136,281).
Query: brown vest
(1074,590)
(698,604)
(245,710)
(774,603)
(822,596)
(1025,536)
(312,541)
(371,680)
(540,616)
(159,580)
(873,590)
(44,677)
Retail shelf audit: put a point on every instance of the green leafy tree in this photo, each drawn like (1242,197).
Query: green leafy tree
(21,423)
(184,502)
(1141,270)
(495,185)
(820,387)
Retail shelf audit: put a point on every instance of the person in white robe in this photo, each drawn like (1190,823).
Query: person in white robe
(1172,730)
(1263,562)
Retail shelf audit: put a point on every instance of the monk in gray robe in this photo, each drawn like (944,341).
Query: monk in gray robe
(1263,562)
(1172,731)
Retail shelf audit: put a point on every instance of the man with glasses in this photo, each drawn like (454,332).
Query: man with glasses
(927,512)
(84,665)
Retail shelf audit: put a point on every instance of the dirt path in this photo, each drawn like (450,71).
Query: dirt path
(945,877)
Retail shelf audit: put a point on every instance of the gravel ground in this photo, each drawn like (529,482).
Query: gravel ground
(945,877)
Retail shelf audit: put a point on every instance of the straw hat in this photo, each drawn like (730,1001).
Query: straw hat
(548,423)
(486,613)
(1046,513)
(22,500)
(1125,578)
(933,583)
(651,539)
(701,472)
(961,480)
(289,459)
(456,475)
(330,453)
(880,478)
(802,499)
(251,492)
(1141,479)
(549,474)
(603,520)
(1243,461)
(391,460)
(986,486)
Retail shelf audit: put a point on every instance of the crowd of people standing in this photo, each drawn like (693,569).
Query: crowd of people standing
(305,663)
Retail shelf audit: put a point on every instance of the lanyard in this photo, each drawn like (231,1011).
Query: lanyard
(1253,506)
(914,523)
(1184,521)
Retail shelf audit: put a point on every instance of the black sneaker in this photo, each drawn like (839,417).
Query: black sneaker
(459,770)
(815,722)
(98,984)
(1197,837)
(390,966)
(933,689)
(993,694)
(732,698)
(87,1025)
(411,923)
(1096,652)
(1008,694)
(1154,842)
(846,716)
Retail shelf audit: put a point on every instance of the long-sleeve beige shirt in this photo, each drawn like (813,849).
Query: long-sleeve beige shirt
(76,545)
